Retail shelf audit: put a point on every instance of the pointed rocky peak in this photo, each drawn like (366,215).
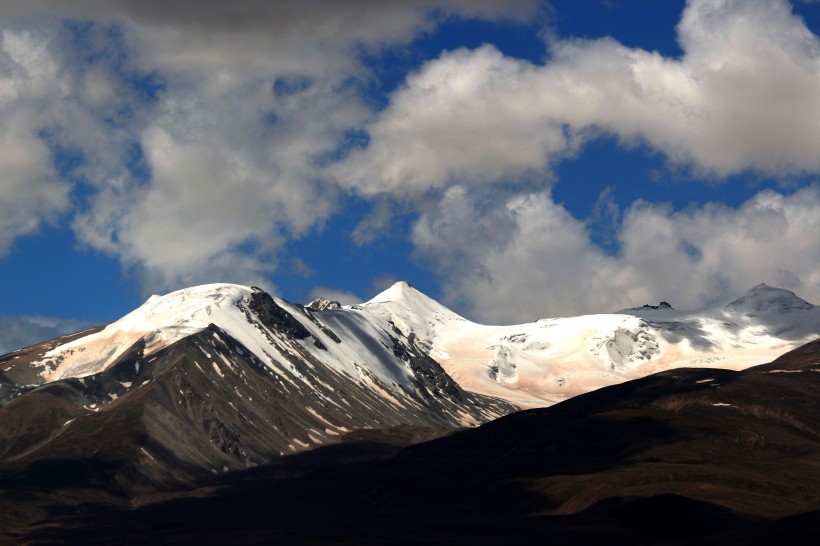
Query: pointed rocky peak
(767,299)
(661,311)
(411,311)
(400,291)
(403,295)
(662,306)
(321,304)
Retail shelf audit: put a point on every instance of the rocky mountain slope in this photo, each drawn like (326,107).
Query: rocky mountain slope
(223,377)
(530,365)
(231,401)
(218,378)
(688,456)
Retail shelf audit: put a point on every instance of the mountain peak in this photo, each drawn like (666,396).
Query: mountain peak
(662,306)
(322,304)
(401,290)
(158,323)
(411,311)
(404,295)
(765,298)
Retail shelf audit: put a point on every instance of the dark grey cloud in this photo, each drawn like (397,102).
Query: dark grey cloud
(364,20)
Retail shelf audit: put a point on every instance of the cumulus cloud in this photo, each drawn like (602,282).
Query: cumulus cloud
(228,185)
(742,97)
(189,139)
(31,191)
(516,259)
(192,139)
(527,257)
(398,20)
(62,124)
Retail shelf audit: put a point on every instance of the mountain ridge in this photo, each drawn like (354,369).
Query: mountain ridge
(246,376)
(553,359)
(666,459)
(530,365)
(224,382)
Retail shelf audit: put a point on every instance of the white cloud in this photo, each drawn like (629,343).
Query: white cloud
(458,119)
(236,166)
(743,96)
(52,107)
(30,191)
(526,257)
(516,259)
(711,252)
(237,169)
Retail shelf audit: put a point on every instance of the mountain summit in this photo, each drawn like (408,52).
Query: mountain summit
(545,362)
(763,299)
(216,379)
(221,377)
(412,312)
(249,377)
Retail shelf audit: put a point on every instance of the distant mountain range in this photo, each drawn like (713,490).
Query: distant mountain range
(209,383)
(553,359)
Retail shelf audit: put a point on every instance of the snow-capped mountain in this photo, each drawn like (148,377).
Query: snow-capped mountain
(220,377)
(663,459)
(552,359)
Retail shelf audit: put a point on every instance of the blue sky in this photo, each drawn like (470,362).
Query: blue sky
(512,159)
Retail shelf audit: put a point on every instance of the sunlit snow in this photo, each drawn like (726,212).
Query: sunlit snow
(532,364)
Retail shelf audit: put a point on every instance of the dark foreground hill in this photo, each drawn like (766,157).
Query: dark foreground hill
(689,456)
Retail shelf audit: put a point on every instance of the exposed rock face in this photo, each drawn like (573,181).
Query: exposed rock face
(274,317)
(222,377)
(662,306)
(626,346)
(207,404)
(21,370)
(688,456)
(320,304)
